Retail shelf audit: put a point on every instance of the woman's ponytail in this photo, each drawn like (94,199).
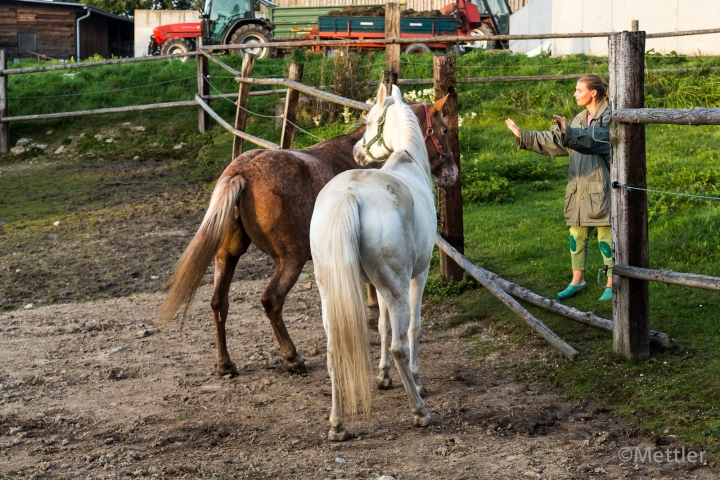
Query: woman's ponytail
(594,82)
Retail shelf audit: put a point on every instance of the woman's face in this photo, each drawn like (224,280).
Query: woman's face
(583,96)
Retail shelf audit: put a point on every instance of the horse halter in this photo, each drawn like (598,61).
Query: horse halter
(429,133)
(379,137)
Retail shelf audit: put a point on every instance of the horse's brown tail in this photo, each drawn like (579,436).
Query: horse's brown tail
(190,268)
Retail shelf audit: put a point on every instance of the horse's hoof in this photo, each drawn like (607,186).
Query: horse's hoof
(222,369)
(297,365)
(373,316)
(423,419)
(420,389)
(335,435)
(383,383)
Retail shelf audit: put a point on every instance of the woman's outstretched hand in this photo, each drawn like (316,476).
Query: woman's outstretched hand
(561,123)
(512,126)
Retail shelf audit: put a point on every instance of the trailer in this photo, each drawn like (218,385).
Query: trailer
(461,18)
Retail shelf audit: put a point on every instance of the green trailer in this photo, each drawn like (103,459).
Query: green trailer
(295,23)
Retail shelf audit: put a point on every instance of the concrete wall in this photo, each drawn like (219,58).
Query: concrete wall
(146,20)
(535,17)
(655,16)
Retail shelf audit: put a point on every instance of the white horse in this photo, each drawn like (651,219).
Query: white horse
(377,226)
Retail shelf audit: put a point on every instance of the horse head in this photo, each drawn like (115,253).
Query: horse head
(377,143)
(442,165)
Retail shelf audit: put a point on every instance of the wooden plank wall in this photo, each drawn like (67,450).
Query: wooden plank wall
(8,32)
(54,27)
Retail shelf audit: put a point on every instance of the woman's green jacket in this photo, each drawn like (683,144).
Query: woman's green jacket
(587,197)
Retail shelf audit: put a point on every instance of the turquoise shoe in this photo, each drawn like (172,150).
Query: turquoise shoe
(607,295)
(571,291)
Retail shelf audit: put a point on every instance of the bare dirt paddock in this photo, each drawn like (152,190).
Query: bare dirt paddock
(90,390)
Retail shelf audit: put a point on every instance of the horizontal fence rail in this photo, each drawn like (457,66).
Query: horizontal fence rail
(668,276)
(73,66)
(256,140)
(446,39)
(674,116)
(100,111)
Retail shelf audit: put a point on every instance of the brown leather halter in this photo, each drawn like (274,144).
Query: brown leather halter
(429,133)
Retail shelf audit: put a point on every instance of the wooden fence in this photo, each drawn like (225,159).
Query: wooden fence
(631,315)
(630,325)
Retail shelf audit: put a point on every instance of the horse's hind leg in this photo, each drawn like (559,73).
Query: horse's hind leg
(417,286)
(383,381)
(373,307)
(400,318)
(235,243)
(285,274)
(337,432)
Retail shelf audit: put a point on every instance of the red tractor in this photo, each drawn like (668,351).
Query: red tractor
(222,22)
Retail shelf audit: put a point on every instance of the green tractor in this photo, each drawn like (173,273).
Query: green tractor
(222,22)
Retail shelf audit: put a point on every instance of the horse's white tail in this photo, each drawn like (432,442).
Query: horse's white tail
(193,263)
(339,272)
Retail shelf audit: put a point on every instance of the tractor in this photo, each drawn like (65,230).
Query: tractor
(222,22)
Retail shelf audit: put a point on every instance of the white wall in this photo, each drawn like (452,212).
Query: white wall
(655,16)
(535,17)
(146,20)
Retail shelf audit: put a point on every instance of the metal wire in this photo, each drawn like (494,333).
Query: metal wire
(629,188)
(259,114)
(104,91)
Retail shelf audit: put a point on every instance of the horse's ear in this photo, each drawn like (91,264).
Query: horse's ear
(438,105)
(381,95)
(396,93)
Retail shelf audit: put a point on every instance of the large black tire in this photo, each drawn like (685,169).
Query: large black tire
(417,49)
(252,34)
(175,46)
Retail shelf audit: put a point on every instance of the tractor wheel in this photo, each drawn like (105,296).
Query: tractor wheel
(417,49)
(249,34)
(175,46)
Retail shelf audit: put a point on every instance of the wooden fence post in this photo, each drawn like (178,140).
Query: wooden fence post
(203,87)
(631,317)
(4,127)
(392,30)
(450,198)
(242,103)
(291,103)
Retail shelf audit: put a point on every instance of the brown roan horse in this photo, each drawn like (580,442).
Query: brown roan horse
(267,198)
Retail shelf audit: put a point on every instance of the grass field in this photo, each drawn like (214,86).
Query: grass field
(513,203)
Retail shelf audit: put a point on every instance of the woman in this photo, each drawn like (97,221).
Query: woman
(587,197)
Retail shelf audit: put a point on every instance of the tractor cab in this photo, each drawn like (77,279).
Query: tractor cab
(221,18)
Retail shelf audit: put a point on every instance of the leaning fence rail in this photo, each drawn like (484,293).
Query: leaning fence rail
(256,140)
(479,275)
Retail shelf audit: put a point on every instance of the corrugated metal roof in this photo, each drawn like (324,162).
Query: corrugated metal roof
(80,5)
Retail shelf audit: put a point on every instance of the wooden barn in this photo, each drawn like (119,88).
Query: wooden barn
(60,30)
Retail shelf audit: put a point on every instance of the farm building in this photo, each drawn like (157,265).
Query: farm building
(654,16)
(62,30)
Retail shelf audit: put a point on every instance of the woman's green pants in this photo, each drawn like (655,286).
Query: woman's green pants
(578,245)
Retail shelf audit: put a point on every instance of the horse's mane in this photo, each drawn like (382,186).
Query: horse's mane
(413,140)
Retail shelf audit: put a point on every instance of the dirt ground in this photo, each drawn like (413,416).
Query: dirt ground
(94,390)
